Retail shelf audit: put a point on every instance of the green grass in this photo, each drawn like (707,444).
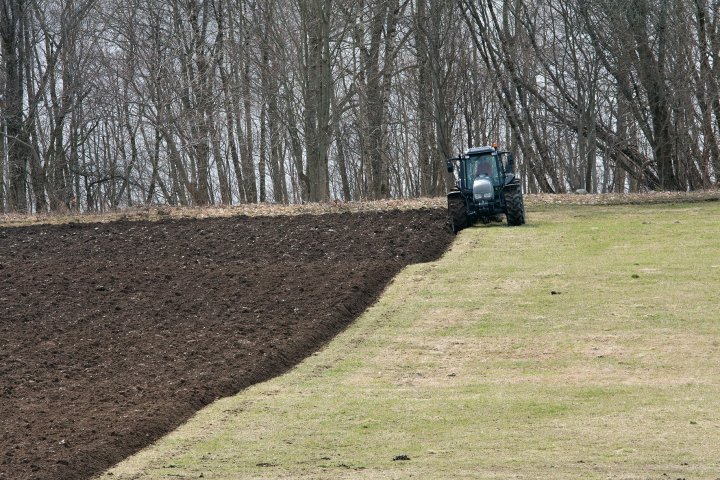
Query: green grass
(474,369)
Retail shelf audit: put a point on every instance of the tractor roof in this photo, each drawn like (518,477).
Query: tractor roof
(479,150)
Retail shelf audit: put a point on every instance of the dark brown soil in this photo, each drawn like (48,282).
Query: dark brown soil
(113,334)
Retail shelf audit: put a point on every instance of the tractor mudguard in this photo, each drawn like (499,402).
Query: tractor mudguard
(511,179)
(455,196)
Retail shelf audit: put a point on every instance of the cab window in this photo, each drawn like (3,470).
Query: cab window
(481,165)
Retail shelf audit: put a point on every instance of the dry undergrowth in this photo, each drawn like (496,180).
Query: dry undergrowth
(155,212)
(622,198)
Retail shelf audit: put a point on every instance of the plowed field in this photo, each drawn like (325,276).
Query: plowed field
(112,334)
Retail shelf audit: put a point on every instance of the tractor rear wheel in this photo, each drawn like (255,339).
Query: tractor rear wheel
(515,207)
(457,213)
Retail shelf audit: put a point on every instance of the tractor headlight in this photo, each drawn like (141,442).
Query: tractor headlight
(483,196)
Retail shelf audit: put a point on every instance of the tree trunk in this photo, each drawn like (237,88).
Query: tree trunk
(12,24)
(317,95)
(246,155)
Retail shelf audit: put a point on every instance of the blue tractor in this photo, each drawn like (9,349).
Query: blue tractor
(485,188)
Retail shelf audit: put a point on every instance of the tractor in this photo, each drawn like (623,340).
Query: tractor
(485,188)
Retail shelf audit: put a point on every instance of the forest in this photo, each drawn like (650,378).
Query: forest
(107,104)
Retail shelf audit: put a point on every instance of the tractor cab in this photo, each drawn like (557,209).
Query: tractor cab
(482,171)
(482,164)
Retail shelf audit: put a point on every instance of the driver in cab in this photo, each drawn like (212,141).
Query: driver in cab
(484,168)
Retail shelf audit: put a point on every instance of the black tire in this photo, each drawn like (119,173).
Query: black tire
(515,207)
(457,213)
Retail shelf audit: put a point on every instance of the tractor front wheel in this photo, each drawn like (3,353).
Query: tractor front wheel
(515,207)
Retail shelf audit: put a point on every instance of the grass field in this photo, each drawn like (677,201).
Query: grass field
(585,344)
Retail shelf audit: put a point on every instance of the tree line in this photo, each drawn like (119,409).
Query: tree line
(108,104)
